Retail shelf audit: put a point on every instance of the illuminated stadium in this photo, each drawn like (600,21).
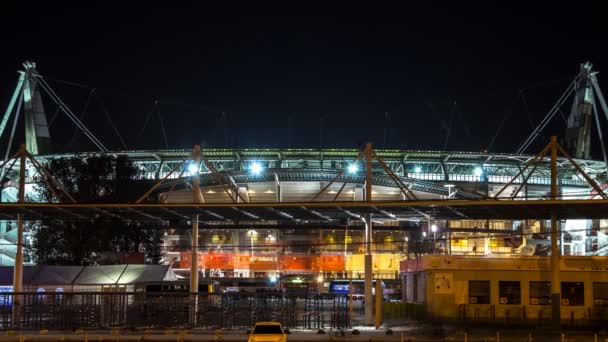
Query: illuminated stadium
(320,247)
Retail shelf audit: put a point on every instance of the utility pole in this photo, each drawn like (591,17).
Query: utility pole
(18,268)
(197,198)
(555,267)
(368,268)
(368,264)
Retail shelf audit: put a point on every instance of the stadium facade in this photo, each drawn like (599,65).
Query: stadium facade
(329,249)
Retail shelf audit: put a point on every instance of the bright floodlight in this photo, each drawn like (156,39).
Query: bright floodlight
(478,171)
(434,228)
(255,168)
(417,169)
(193,168)
(273,279)
(320,279)
(424,234)
(353,168)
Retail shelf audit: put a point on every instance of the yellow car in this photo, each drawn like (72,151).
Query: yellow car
(267,332)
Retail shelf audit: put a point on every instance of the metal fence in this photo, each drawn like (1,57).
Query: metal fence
(139,310)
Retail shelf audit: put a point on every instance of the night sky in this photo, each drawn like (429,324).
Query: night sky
(256,75)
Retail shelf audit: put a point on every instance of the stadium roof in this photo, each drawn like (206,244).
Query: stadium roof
(311,212)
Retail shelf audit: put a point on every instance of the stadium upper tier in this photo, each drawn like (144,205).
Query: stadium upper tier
(296,174)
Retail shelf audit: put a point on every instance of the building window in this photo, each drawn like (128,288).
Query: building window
(479,292)
(600,294)
(573,293)
(540,293)
(509,292)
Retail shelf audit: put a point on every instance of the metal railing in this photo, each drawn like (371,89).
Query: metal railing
(72,310)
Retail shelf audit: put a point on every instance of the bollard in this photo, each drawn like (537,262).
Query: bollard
(21,339)
(466,337)
(401,337)
(497,336)
(563,337)
(530,337)
(86,337)
(594,337)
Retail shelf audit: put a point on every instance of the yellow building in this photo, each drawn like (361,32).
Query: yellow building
(514,289)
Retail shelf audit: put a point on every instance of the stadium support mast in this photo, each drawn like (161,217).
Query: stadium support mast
(28,94)
(587,94)
(37,135)
(578,132)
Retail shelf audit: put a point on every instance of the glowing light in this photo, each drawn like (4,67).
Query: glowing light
(423,234)
(478,171)
(210,192)
(434,228)
(320,279)
(417,169)
(255,168)
(273,279)
(353,168)
(193,168)
(269,191)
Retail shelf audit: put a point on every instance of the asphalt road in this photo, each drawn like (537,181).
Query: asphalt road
(366,335)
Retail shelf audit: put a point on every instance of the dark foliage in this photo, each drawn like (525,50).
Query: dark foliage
(93,179)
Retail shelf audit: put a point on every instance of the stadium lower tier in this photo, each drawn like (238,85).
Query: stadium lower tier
(385,265)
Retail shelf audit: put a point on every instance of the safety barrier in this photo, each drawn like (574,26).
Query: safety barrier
(163,310)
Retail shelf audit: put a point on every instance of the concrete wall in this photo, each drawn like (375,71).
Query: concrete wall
(447,293)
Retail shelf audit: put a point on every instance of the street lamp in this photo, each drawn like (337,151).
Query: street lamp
(251,234)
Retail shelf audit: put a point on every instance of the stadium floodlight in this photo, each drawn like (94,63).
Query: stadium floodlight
(353,168)
(478,171)
(255,168)
(193,168)
(417,169)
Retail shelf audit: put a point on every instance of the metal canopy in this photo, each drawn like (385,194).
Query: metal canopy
(310,212)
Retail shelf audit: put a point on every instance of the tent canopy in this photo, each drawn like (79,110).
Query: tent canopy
(89,275)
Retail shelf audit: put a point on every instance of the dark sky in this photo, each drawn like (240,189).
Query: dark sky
(286,75)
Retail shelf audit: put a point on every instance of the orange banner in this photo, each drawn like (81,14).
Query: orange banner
(222,261)
(332,262)
(297,262)
(289,262)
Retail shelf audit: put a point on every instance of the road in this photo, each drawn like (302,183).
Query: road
(410,333)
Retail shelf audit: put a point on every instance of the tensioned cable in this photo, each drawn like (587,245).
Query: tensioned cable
(82,116)
(69,113)
(546,119)
(109,118)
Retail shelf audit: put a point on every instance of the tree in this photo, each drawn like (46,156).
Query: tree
(93,179)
